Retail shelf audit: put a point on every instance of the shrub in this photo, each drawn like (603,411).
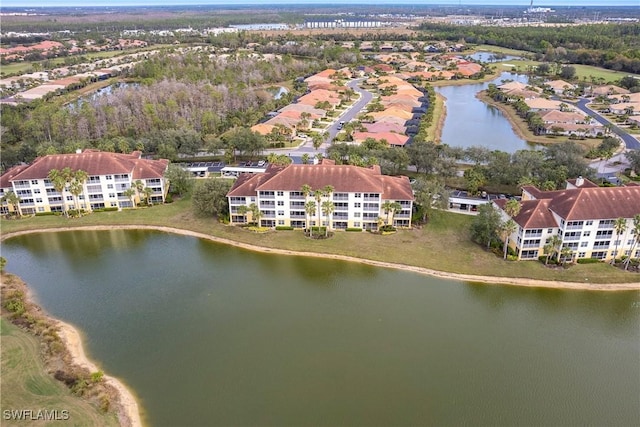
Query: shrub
(110,209)
(284,228)
(387,228)
(588,261)
(169,198)
(45,213)
(354,229)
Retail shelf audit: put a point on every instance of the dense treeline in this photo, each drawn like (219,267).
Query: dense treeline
(616,47)
(184,102)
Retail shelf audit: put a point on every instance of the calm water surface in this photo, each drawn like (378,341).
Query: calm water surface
(207,334)
(470,121)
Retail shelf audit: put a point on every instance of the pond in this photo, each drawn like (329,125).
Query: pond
(492,57)
(207,334)
(470,121)
(104,91)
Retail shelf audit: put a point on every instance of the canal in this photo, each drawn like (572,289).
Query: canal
(207,334)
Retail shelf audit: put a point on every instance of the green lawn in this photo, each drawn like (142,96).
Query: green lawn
(26,385)
(442,245)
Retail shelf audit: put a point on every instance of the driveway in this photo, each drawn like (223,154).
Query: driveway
(630,142)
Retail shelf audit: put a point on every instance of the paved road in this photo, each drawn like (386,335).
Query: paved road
(350,114)
(630,142)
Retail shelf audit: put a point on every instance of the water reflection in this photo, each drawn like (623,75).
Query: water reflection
(470,122)
(203,331)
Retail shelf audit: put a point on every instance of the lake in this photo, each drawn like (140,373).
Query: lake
(207,334)
(470,121)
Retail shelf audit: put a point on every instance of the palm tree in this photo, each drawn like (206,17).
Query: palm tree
(76,187)
(327,209)
(14,200)
(506,230)
(317,194)
(635,230)
(242,210)
(147,195)
(512,208)
(60,179)
(553,244)
(131,193)
(566,252)
(255,214)
(619,226)
(310,208)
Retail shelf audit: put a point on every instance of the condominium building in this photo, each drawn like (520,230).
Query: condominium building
(358,196)
(582,215)
(109,176)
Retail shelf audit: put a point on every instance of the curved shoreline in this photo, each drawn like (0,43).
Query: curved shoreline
(513,281)
(73,342)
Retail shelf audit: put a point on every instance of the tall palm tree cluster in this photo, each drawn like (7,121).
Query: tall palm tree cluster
(73,181)
(322,203)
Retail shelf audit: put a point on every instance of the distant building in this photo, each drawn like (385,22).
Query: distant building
(582,215)
(110,175)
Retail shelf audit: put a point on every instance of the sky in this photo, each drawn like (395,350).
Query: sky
(523,3)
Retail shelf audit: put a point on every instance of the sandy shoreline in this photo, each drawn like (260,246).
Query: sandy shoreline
(514,281)
(71,338)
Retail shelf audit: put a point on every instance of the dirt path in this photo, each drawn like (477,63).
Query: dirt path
(421,270)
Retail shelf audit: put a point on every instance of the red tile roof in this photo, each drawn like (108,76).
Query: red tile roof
(343,178)
(96,163)
(577,204)
(7,177)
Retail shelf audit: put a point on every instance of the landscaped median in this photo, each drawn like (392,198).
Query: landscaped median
(442,248)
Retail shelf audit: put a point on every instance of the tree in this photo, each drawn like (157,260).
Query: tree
(619,227)
(567,72)
(430,194)
(305,158)
(256,214)
(243,210)
(390,208)
(310,209)
(566,253)
(327,209)
(635,230)
(485,224)
(506,230)
(634,160)
(148,192)
(423,155)
(209,197)
(512,208)
(76,186)
(131,194)
(60,179)
(14,200)
(180,180)
(552,247)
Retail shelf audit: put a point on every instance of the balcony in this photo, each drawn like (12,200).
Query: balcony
(122,180)
(21,186)
(573,227)
(297,216)
(340,198)
(268,205)
(571,238)
(371,199)
(532,235)
(295,197)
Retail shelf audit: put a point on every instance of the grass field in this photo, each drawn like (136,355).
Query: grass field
(442,245)
(25,385)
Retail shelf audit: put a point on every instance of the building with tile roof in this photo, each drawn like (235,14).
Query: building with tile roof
(109,176)
(582,215)
(358,196)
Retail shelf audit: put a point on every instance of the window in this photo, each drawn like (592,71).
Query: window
(94,179)
(589,223)
(112,195)
(34,182)
(69,198)
(581,254)
(280,193)
(598,255)
(586,234)
(584,244)
(358,195)
(41,209)
(280,202)
(38,200)
(550,230)
(36,191)
(109,177)
(109,186)
(356,224)
(357,205)
(114,204)
(280,212)
(281,222)
(356,214)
